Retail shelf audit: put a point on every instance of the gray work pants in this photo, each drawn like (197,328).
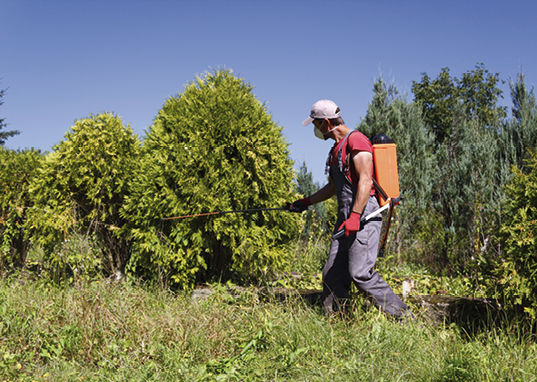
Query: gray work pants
(352,259)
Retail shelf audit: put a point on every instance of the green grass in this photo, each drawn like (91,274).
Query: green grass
(102,331)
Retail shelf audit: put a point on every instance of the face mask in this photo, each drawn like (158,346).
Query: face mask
(318,133)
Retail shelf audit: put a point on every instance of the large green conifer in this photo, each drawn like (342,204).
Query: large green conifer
(465,117)
(212,148)
(17,169)
(4,135)
(78,194)
(520,133)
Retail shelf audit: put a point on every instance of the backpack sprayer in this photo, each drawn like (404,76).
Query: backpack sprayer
(385,181)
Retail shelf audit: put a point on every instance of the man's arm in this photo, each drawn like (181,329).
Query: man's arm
(363,165)
(323,193)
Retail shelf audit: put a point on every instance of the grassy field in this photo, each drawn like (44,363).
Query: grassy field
(115,331)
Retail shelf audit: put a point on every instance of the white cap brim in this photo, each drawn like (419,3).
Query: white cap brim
(307,121)
(322,109)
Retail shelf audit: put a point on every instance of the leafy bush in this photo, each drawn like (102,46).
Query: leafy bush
(517,270)
(17,168)
(80,190)
(212,148)
(78,258)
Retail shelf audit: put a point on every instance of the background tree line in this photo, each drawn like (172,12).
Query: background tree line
(467,173)
(93,206)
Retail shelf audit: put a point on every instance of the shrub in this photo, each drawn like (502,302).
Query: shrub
(17,168)
(80,190)
(517,270)
(212,148)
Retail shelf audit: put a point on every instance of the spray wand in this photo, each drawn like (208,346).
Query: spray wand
(226,212)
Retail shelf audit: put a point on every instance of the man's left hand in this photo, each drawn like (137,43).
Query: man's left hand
(352,224)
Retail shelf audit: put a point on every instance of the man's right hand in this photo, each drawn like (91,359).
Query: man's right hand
(299,206)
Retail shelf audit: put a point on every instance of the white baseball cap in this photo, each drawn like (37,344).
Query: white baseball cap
(322,109)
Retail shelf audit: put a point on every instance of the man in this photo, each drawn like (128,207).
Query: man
(352,256)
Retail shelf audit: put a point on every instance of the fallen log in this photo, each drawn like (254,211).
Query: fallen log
(470,313)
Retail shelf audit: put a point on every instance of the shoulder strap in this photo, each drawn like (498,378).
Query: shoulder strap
(379,189)
(348,157)
(377,186)
(338,154)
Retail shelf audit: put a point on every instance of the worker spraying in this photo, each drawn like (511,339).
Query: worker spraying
(353,253)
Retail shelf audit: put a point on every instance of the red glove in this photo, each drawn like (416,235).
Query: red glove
(352,224)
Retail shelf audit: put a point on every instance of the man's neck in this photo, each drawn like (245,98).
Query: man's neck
(340,133)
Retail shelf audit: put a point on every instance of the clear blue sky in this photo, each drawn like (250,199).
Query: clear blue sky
(64,60)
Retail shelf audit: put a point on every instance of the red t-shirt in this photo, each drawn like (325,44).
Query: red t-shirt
(355,142)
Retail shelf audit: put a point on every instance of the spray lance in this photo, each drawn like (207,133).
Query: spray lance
(286,208)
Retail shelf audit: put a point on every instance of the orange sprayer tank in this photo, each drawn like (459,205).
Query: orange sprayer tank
(385,159)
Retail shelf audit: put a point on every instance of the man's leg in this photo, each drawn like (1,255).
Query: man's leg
(362,258)
(336,280)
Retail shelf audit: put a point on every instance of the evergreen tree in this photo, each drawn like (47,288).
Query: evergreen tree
(520,133)
(517,138)
(17,169)
(212,148)
(465,118)
(379,117)
(4,135)
(304,181)
(78,194)
(467,190)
